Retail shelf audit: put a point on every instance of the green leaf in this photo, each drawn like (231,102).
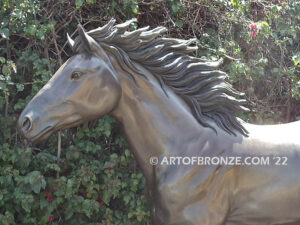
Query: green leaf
(127,153)
(44,203)
(126,199)
(179,23)
(40,34)
(6,70)
(114,156)
(37,181)
(4,33)
(20,87)
(106,197)
(2,59)
(2,85)
(30,29)
(69,214)
(78,3)
(296,59)
(86,207)
(135,9)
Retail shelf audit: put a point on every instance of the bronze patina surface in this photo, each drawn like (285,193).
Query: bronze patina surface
(172,104)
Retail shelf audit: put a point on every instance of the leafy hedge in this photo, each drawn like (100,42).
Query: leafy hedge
(96,180)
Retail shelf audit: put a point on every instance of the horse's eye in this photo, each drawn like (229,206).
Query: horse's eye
(76,75)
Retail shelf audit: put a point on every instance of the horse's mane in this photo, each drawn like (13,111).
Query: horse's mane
(196,81)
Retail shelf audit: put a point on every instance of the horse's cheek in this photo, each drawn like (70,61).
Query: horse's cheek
(94,97)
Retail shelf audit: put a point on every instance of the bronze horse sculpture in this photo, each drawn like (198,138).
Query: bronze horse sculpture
(173,104)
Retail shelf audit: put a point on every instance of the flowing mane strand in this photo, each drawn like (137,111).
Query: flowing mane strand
(196,81)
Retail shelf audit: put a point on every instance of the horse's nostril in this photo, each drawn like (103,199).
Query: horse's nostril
(26,124)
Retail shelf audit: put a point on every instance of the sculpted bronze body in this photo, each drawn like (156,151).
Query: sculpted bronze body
(173,104)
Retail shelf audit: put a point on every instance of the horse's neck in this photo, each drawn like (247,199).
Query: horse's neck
(155,124)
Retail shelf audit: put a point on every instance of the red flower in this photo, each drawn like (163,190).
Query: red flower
(100,201)
(253,33)
(253,26)
(51,218)
(49,197)
(109,168)
(254,30)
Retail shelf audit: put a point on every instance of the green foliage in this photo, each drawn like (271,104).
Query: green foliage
(260,45)
(177,10)
(96,180)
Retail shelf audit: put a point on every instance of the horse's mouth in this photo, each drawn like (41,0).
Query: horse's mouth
(46,132)
(43,135)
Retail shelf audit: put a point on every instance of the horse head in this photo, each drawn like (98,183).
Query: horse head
(83,88)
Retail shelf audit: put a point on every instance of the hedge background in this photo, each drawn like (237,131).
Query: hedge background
(96,180)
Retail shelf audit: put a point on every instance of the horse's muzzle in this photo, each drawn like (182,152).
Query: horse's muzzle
(30,127)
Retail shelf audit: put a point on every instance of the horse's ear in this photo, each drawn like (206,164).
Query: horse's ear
(70,42)
(85,38)
(90,44)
